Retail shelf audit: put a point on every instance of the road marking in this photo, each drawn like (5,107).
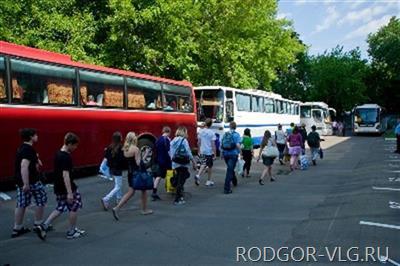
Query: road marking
(385,260)
(394,205)
(393,171)
(4,196)
(393,160)
(380,225)
(393,179)
(386,188)
(394,165)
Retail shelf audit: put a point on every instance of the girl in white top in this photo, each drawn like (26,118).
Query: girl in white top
(280,138)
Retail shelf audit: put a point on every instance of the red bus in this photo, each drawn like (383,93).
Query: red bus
(54,94)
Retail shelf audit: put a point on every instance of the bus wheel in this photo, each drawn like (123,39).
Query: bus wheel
(144,144)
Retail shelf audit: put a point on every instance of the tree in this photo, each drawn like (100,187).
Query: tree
(338,78)
(384,48)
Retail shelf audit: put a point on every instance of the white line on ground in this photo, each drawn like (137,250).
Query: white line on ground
(386,188)
(4,196)
(393,179)
(380,225)
(385,260)
(394,171)
(394,165)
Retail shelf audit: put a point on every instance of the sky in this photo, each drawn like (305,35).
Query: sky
(324,24)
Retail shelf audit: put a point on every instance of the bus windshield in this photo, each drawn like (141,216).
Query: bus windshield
(210,104)
(366,116)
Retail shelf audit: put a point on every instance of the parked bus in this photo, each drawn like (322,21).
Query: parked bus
(54,94)
(318,114)
(254,109)
(367,119)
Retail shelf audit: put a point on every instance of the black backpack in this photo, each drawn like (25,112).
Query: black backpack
(181,156)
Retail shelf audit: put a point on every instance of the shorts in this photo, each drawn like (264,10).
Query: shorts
(207,160)
(63,205)
(161,171)
(296,150)
(268,161)
(38,192)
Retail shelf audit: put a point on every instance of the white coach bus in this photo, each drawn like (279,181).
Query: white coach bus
(318,114)
(253,109)
(367,119)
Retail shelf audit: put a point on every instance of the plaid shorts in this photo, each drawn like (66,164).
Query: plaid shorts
(63,205)
(207,160)
(37,190)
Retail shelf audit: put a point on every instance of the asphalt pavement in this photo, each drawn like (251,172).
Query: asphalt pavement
(340,210)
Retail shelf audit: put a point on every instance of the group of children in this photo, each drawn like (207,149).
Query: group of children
(168,154)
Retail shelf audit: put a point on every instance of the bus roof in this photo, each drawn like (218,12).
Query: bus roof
(321,104)
(57,58)
(248,91)
(367,106)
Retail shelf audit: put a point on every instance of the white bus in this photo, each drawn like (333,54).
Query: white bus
(318,114)
(367,119)
(253,109)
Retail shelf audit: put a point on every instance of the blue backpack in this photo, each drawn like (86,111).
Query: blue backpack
(228,143)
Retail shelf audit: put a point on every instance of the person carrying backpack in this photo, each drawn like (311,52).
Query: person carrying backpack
(313,141)
(181,156)
(230,146)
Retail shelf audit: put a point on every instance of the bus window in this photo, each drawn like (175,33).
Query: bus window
(256,105)
(99,89)
(268,105)
(229,94)
(36,83)
(177,98)
(243,102)
(3,91)
(305,111)
(143,94)
(210,104)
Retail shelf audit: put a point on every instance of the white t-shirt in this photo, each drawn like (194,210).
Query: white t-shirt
(280,137)
(206,136)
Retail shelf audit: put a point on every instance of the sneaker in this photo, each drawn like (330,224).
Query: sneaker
(83,232)
(40,231)
(155,197)
(272,179)
(261,182)
(179,202)
(228,191)
(209,183)
(75,234)
(115,214)
(17,233)
(314,162)
(147,212)
(197,180)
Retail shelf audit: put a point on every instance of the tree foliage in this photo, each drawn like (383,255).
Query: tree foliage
(384,79)
(237,43)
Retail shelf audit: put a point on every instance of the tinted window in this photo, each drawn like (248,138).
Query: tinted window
(98,89)
(268,105)
(36,83)
(3,91)
(243,102)
(229,94)
(257,104)
(143,94)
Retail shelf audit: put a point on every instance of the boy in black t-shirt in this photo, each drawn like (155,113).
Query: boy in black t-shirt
(27,165)
(67,194)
